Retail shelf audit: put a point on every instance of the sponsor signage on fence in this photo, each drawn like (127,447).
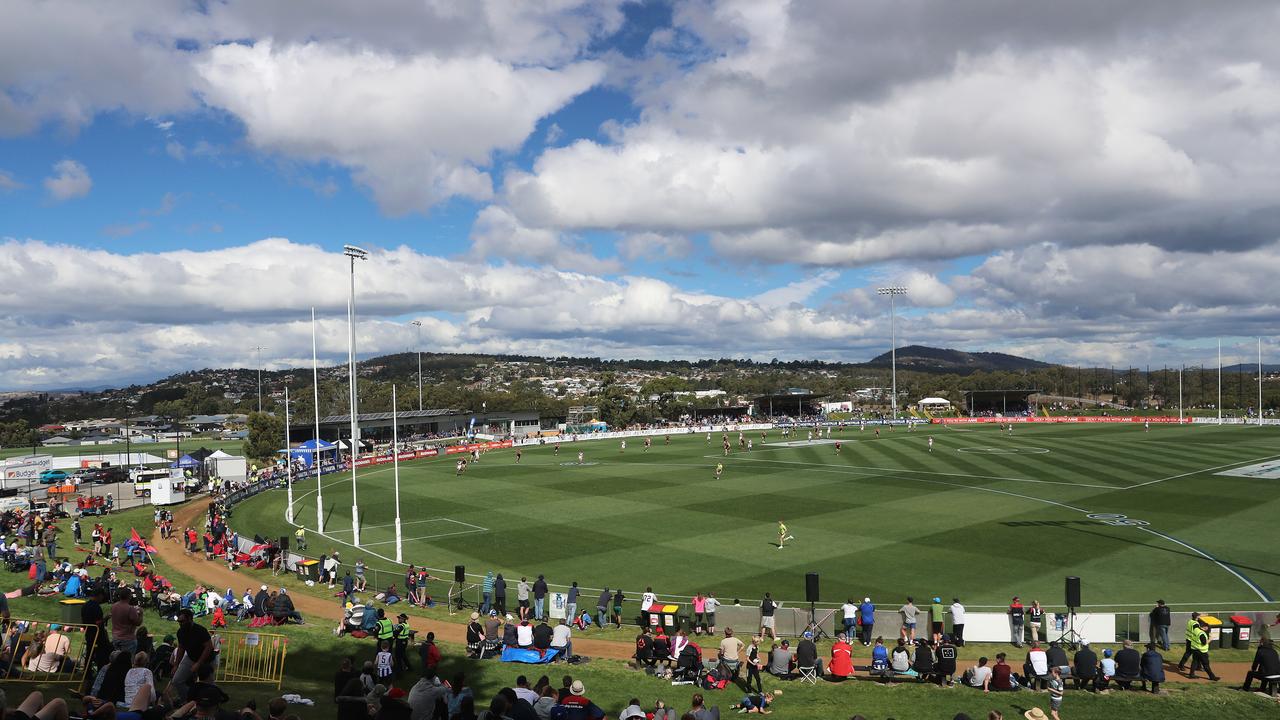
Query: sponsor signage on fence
(1160,419)
(495,445)
(408,455)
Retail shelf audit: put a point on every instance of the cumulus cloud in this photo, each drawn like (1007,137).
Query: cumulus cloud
(415,129)
(70,180)
(497,234)
(8,183)
(654,246)
(835,133)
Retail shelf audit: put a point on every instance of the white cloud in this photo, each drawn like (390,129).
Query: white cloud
(71,180)
(497,234)
(654,246)
(414,129)
(8,182)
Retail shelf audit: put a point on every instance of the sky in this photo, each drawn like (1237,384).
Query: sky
(1092,183)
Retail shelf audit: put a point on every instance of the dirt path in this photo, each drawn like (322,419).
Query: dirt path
(318,610)
(326,611)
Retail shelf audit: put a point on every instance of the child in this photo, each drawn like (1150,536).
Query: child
(758,703)
(384,661)
(1055,692)
(219,619)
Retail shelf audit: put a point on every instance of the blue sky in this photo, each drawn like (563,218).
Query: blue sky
(632,179)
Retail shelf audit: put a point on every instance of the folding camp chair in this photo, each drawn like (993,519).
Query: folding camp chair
(808,674)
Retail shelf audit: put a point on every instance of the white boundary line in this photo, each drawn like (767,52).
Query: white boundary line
(1197,472)
(421,537)
(418,522)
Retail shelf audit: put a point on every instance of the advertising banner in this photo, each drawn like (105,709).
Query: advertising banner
(1153,419)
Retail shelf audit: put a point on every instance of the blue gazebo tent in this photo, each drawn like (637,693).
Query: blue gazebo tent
(185,462)
(307,450)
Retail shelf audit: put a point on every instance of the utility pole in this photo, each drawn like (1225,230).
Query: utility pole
(893,292)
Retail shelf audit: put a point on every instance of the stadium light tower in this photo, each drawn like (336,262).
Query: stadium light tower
(893,292)
(418,324)
(259,348)
(355,253)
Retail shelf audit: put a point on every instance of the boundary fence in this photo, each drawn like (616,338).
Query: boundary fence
(34,645)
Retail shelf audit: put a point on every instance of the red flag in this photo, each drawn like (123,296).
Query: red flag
(138,539)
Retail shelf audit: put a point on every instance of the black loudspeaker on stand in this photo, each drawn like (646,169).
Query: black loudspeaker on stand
(1069,636)
(459,573)
(811,595)
(460,581)
(284,543)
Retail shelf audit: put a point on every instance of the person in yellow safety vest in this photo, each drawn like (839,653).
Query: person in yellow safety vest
(1192,626)
(300,539)
(1200,652)
(385,630)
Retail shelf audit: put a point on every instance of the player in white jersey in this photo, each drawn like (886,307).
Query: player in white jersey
(930,443)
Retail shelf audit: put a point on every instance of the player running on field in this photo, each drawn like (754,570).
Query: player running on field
(930,443)
(518,454)
(783,536)
(837,447)
(623,448)
(719,470)
(580,456)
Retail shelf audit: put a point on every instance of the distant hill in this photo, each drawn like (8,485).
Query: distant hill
(1251,368)
(945,360)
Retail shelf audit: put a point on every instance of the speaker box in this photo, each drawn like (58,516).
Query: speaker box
(1073,591)
(284,543)
(459,574)
(811,587)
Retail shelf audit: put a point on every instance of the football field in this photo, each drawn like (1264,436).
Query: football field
(985,515)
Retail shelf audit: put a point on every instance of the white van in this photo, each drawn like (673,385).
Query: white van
(142,480)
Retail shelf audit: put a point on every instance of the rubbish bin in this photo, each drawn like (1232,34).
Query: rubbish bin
(71,611)
(1243,627)
(309,570)
(1215,630)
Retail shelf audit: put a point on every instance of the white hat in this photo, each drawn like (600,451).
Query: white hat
(866,599)
(631,711)
(264,587)
(577,687)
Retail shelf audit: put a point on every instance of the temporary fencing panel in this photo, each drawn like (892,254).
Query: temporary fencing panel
(49,653)
(249,657)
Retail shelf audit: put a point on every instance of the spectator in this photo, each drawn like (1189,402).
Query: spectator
(957,622)
(1058,658)
(54,651)
(644,649)
(945,666)
(524,692)
(475,636)
(562,639)
(126,617)
(849,617)
(866,620)
(1153,668)
(524,634)
(1035,619)
(880,657)
(602,608)
(618,599)
(547,700)
(979,676)
(429,653)
(459,695)
(1036,668)
(937,620)
(486,593)
(699,710)
(542,637)
(522,597)
(1085,672)
(576,705)
(1128,665)
(841,665)
(780,661)
(138,678)
(731,652)
(1266,664)
(807,653)
(571,601)
(285,611)
(900,658)
(755,661)
(1056,692)
(539,596)
(500,594)
(1002,675)
(196,658)
(711,604)
(767,608)
(346,671)
(1106,670)
(1160,621)
(1016,617)
(910,613)
(923,663)
(34,707)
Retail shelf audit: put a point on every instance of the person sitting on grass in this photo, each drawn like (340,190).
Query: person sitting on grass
(576,706)
(900,660)
(698,709)
(979,676)
(781,661)
(524,634)
(1002,675)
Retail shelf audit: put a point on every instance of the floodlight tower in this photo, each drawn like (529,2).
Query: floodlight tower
(259,349)
(418,324)
(354,253)
(893,292)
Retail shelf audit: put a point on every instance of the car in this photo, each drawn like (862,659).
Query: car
(49,477)
(82,475)
(109,475)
